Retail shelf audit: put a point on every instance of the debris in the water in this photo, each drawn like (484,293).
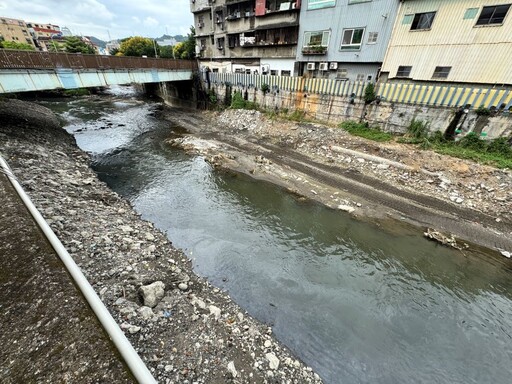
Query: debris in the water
(443,239)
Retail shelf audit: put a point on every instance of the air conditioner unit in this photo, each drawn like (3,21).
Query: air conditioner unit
(311,66)
(333,65)
(323,66)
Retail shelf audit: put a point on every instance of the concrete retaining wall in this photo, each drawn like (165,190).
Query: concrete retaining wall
(391,117)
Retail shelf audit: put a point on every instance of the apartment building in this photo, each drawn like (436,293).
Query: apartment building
(458,41)
(15,30)
(248,36)
(45,36)
(344,39)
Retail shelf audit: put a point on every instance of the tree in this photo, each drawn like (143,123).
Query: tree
(166,52)
(139,46)
(15,45)
(187,48)
(74,44)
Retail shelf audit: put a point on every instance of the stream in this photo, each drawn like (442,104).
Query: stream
(356,303)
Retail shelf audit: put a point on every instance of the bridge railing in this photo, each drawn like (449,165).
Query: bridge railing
(14,59)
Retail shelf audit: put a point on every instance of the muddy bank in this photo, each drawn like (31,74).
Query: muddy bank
(184,329)
(371,181)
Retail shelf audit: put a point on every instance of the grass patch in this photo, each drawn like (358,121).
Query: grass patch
(490,158)
(238,102)
(362,130)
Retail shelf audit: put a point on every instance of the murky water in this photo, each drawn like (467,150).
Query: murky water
(356,303)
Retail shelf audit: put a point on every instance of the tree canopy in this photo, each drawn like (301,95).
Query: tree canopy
(139,46)
(166,52)
(186,49)
(74,44)
(15,45)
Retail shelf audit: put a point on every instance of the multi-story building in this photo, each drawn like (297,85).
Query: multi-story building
(15,30)
(458,41)
(249,36)
(344,39)
(46,36)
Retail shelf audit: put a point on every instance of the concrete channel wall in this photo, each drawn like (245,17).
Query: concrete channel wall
(391,117)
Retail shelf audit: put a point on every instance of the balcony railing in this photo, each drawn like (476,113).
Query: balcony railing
(314,50)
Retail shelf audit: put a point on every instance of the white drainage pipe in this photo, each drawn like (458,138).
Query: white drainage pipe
(130,356)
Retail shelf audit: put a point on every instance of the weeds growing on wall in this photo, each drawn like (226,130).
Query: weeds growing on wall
(238,102)
(363,130)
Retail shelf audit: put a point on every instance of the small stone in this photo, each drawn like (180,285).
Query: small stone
(273,361)
(232,369)
(149,236)
(151,294)
(507,254)
(346,208)
(267,344)
(183,286)
(382,166)
(126,228)
(145,312)
(215,311)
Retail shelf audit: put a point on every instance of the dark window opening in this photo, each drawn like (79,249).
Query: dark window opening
(404,71)
(441,72)
(493,15)
(423,20)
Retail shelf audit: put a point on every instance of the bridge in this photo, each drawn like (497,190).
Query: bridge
(25,71)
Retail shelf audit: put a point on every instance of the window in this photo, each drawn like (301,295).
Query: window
(360,77)
(317,38)
(273,72)
(493,15)
(441,72)
(352,38)
(286,73)
(220,43)
(317,4)
(372,37)
(358,1)
(423,21)
(470,13)
(403,71)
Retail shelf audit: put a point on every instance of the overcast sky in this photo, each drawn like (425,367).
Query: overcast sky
(122,18)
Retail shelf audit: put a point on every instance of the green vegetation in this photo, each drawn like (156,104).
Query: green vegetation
(482,111)
(138,46)
(369,93)
(74,44)
(496,152)
(238,102)
(166,52)
(186,49)
(362,130)
(265,88)
(14,45)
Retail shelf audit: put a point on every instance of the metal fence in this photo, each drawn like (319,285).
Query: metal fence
(406,93)
(13,59)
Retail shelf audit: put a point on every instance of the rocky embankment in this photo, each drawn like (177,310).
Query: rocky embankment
(186,330)
(367,179)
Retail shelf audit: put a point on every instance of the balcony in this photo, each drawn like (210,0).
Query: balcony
(312,50)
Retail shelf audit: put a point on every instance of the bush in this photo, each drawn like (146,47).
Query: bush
(482,111)
(418,129)
(238,102)
(500,146)
(369,93)
(362,130)
(265,88)
(472,141)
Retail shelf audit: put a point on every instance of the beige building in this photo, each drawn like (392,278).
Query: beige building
(456,41)
(247,36)
(15,30)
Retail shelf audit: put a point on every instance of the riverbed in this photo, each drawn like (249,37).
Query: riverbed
(355,302)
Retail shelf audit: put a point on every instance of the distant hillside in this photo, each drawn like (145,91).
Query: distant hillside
(97,42)
(178,38)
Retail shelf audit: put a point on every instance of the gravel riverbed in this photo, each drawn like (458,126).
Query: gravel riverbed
(186,330)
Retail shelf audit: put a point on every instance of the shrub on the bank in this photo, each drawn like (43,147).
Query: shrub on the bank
(362,130)
(238,102)
(77,92)
(418,129)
